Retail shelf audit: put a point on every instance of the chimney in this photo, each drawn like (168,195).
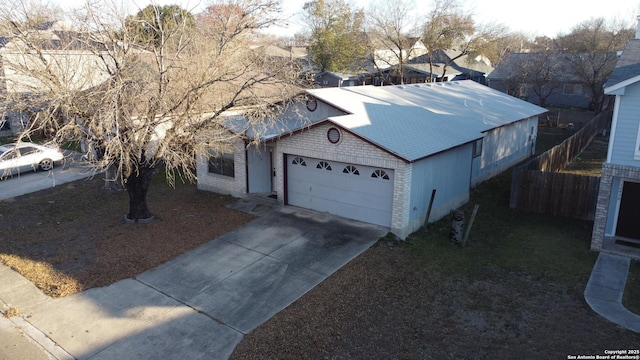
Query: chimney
(638,28)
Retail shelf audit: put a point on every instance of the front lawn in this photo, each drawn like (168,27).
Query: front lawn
(73,237)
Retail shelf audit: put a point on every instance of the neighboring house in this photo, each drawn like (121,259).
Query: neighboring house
(296,56)
(454,65)
(518,73)
(338,79)
(412,74)
(68,61)
(384,57)
(616,227)
(447,65)
(375,153)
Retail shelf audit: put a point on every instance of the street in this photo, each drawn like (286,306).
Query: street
(25,183)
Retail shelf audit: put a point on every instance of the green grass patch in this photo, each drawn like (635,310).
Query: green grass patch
(505,241)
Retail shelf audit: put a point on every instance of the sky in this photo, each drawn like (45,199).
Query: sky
(539,17)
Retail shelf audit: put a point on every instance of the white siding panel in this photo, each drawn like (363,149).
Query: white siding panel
(628,125)
(504,147)
(448,173)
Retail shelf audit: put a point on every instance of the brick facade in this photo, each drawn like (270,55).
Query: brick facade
(350,149)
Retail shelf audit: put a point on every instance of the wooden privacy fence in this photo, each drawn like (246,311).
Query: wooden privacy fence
(537,187)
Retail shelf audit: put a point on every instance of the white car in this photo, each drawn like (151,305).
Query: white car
(25,156)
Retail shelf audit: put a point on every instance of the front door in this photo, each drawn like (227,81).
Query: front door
(628,225)
(259,169)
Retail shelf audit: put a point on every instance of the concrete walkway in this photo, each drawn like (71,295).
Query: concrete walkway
(605,289)
(199,305)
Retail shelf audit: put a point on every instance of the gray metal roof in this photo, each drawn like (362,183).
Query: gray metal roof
(418,120)
(437,69)
(628,65)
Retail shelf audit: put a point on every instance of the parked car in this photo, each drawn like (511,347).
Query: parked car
(21,157)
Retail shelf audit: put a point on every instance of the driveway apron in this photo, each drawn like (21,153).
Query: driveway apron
(202,303)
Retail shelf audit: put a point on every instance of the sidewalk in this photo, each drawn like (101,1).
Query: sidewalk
(605,289)
(18,339)
(15,345)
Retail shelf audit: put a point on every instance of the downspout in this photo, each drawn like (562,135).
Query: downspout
(614,123)
(246,166)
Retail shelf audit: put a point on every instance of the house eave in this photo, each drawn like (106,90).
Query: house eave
(618,89)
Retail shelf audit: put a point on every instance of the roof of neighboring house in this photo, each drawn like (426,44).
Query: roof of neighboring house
(338,75)
(461,62)
(627,68)
(77,64)
(419,120)
(437,69)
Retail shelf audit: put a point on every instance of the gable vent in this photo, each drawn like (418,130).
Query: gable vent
(333,135)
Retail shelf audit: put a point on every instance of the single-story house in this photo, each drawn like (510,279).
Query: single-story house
(375,153)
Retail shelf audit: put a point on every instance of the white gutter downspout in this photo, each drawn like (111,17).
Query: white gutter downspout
(614,123)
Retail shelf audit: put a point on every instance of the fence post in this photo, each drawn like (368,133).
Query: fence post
(516,177)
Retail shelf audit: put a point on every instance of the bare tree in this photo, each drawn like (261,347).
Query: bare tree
(541,72)
(149,102)
(393,34)
(591,47)
(450,27)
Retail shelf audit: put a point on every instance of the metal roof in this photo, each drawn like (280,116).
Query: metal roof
(419,120)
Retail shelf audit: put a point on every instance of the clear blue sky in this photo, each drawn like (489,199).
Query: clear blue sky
(539,17)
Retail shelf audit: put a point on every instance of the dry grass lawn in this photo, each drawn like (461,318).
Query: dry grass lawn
(73,237)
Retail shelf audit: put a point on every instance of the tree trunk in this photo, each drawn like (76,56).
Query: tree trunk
(137,187)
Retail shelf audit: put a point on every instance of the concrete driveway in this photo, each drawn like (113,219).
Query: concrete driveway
(202,303)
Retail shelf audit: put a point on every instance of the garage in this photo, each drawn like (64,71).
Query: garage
(353,191)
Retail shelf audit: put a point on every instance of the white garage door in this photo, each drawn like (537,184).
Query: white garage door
(353,191)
